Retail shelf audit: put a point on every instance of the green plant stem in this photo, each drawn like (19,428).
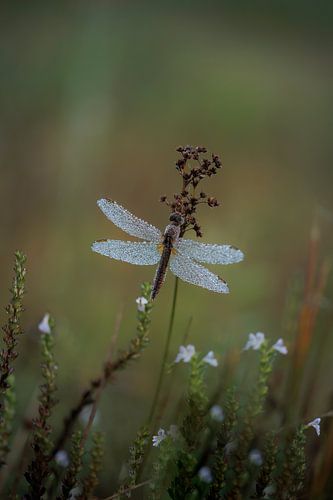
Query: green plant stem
(165,354)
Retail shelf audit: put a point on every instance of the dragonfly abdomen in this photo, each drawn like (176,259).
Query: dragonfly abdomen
(161,271)
(170,237)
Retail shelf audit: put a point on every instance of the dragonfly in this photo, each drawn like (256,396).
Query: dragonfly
(166,250)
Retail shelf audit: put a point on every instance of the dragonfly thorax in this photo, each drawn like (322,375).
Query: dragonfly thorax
(171,235)
(177,219)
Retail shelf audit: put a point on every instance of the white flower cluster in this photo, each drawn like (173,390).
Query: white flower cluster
(162,434)
(186,353)
(44,324)
(256,340)
(315,424)
(61,458)
(141,303)
(217,413)
(255,457)
(205,474)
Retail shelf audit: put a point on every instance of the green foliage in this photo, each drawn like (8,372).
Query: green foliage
(141,340)
(175,472)
(96,456)
(290,481)
(225,435)
(265,476)
(163,467)
(38,470)
(238,461)
(191,430)
(70,479)
(12,329)
(136,454)
(7,417)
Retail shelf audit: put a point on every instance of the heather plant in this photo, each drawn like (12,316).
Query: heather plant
(220,439)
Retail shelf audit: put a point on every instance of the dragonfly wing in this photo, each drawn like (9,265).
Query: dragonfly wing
(134,252)
(210,254)
(188,270)
(128,222)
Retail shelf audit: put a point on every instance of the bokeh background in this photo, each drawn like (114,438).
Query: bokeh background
(95,98)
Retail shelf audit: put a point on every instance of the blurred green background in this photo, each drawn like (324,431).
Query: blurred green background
(95,98)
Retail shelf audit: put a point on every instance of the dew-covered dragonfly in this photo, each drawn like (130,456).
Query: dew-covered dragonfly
(182,255)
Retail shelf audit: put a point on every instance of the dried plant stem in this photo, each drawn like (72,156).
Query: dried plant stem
(136,346)
(165,353)
(103,382)
(88,397)
(128,490)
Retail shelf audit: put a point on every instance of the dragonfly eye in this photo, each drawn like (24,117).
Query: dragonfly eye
(177,218)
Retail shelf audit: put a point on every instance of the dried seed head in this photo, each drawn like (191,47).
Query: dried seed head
(193,168)
(217,161)
(212,202)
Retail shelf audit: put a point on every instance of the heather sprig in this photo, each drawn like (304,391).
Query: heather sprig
(71,479)
(136,455)
(290,482)
(225,437)
(165,465)
(39,470)
(238,462)
(7,417)
(141,340)
(267,469)
(257,398)
(191,429)
(90,482)
(12,328)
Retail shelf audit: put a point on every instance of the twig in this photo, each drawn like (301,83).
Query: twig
(137,344)
(104,381)
(128,490)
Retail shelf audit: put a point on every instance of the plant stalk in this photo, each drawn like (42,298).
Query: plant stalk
(165,354)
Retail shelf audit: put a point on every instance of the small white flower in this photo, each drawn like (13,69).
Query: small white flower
(61,458)
(255,457)
(173,432)
(280,347)
(205,474)
(75,492)
(315,424)
(255,341)
(269,491)
(44,325)
(216,413)
(141,303)
(185,353)
(85,415)
(210,359)
(161,435)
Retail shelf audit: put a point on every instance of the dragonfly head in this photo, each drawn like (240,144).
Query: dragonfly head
(177,219)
